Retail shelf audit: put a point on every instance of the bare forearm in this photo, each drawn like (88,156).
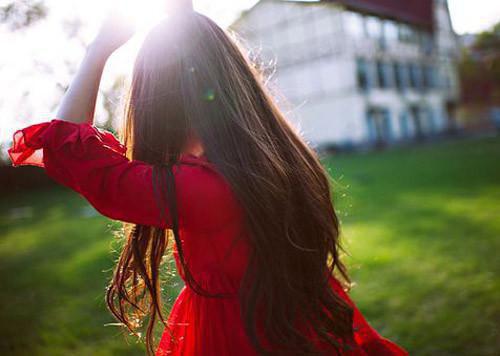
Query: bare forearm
(78,103)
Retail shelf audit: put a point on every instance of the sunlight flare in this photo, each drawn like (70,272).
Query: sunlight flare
(141,14)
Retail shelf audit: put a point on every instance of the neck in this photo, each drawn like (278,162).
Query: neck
(194,146)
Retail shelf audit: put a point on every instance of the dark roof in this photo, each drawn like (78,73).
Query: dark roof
(417,12)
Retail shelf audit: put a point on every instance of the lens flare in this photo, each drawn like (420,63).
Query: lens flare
(141,14)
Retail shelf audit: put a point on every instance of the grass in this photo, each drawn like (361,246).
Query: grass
(421,224)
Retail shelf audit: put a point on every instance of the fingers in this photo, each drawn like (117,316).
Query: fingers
(176,6)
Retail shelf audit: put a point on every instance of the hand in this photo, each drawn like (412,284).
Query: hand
(115,31)
(174,6)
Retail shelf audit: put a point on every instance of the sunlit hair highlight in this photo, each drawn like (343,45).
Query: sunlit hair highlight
(192,77)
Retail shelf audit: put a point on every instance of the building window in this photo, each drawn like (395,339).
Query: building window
(379,125)
(354,24)
(418,121)
(363,74)
(430,78)
(383,75)
(404,124)
(431,120)
(403,33)
(390,31)
(373,27)
(447,79)
(400,75)
(407,34)
(415,76)
(427,42)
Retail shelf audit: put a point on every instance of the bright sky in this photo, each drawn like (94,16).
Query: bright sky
(471,16)
(36,60)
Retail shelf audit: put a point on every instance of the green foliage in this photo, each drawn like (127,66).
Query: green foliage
(22,13)
(489,40)
(479,69)
(421,225)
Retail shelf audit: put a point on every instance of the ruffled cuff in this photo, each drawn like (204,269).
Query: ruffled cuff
(29,142)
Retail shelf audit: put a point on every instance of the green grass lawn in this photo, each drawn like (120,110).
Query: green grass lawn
(422,226)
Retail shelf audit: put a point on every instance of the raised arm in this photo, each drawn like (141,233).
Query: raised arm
(78,103)
(92,162)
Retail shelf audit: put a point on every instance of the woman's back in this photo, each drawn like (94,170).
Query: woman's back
(211,226)
(214,239)
(257,239)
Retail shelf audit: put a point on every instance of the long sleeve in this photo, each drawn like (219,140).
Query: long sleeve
(93,163)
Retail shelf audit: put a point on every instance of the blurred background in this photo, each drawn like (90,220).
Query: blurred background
(400,98)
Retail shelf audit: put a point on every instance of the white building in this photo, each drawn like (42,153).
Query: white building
(359,71)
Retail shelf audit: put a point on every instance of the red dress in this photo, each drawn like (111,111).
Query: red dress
(92,162)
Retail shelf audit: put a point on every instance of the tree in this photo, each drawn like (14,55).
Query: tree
(22,13)
(488,41)
(480,69)
(21,18)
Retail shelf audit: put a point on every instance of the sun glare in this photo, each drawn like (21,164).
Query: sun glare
(141,14)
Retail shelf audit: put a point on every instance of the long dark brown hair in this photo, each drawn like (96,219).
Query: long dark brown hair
(192,76)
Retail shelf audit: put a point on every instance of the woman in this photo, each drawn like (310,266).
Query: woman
(208,155)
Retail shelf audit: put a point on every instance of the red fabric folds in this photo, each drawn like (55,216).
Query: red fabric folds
(28,142)
(211,225)
(371,342)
